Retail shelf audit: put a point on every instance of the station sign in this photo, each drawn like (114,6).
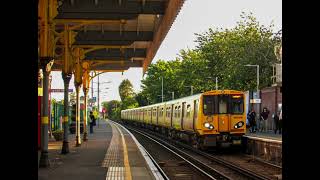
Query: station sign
(60,90)
(93,100)
(255,101)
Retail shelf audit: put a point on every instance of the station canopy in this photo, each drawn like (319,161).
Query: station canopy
(117,34)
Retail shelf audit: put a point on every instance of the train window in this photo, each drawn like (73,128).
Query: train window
(237,104)
(179,107)
(176,111)
(188,110)
(167,112)
(208,105)
(223,104)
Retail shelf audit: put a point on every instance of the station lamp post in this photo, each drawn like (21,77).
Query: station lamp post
(249,65)
(216,81)
(99,94)
(191,88)
(172,92)
(99,102)
(162,88)
(258,94)
(161,97)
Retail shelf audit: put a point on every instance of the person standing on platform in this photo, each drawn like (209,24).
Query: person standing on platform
(280,121)
(276,122)
(263,119)
(252,120)
(92,120)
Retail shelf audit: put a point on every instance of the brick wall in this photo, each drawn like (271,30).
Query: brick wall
(270,98)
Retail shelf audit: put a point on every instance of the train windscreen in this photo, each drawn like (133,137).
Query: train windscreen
(223,104)
(237,106)
(208,105)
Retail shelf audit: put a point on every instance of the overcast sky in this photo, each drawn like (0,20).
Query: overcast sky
(196,16)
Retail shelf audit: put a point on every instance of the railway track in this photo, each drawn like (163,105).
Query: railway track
(206,170)
(217,167)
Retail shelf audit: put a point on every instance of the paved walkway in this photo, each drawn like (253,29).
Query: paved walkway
(110,153)
(266,135)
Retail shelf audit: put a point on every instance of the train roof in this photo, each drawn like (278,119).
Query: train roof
(192,97)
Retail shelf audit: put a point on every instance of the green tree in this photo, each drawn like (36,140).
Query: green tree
(191,73)
(113,109)
(141,98)
(152,85)
(125,89)
(221,53)
(227,51)
(127,95)
(129,103)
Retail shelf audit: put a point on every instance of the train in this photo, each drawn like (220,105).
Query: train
(215,118)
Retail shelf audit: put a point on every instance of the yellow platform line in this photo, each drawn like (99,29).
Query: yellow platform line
(125,156)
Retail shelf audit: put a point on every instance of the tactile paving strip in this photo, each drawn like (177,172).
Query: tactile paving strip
(115,173)
(114,155)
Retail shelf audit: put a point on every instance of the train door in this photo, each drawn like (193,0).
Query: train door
(195,113)
(142,111)
(157,115)
(223,116)
(175,117)
(183,114)
(171,115)
(151,115)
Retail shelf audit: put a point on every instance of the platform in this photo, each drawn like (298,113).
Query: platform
(110,153)
(264,136)
(265,146)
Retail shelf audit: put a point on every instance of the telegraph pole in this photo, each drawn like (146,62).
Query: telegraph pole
(92,92)
(162,88)
(92,86)
(98,101)
(216,83)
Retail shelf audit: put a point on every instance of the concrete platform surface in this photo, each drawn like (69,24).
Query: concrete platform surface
(110,153)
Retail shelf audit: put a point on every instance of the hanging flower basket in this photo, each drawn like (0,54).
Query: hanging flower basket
(58,135)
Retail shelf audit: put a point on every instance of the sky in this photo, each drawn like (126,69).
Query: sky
(196,16)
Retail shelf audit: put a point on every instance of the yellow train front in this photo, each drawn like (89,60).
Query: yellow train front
(210,119)
(222,118)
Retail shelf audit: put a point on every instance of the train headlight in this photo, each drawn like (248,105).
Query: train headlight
(208,125)
(239,125)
